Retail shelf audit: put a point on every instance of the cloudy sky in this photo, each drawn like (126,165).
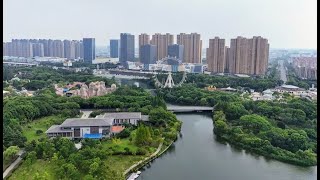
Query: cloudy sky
(286,23)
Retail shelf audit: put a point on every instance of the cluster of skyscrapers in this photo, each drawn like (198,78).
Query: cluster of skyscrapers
(305,67)
(159,46)
(244,56)
(70,49)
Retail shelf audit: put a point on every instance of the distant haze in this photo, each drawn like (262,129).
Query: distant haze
(285,23)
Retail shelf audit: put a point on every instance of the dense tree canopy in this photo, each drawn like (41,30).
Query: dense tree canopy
(284,130)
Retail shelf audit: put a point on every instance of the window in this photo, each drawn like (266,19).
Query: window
(105,131)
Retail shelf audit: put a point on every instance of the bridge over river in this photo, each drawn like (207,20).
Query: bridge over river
(174,108)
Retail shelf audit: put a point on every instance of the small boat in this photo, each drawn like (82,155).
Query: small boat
(135,176)
(138,172)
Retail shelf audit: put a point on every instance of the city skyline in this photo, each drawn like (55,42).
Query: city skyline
(283,27)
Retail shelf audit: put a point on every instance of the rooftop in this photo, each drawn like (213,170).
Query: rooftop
(289,86)
(121,115)
(87,122)
(268,91)
(56,129)
(117,129)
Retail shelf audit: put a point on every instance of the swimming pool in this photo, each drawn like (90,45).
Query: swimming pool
(92,136)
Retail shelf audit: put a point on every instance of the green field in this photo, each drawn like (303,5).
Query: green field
(42,169)
(120,163)
(119,144)
(29,130)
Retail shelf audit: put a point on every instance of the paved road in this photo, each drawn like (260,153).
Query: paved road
(283,73)
(85,114)
(14,164)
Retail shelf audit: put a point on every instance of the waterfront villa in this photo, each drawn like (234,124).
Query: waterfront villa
(103,126)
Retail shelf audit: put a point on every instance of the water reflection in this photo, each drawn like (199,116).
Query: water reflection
(235,149)
(201,155)
(171,149)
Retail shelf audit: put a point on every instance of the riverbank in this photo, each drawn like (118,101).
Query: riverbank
(281,155)
(144,162)
(197,153)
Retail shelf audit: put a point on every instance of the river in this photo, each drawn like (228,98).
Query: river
(197,155)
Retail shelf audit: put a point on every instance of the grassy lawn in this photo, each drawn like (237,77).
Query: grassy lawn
(119,144)
(43,124)
(120,163)
(24,172)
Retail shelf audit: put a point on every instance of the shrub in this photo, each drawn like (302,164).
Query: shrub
(38,132)
(95,113)
(142,151)
(127,151)
(124,134)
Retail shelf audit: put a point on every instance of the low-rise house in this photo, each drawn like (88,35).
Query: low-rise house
(256,96)
(210,88)
(228,89)
(96,128)
(293,90)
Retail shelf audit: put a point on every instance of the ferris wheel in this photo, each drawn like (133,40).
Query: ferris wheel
(169,83)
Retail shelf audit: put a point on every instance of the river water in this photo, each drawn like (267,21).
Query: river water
(197,155)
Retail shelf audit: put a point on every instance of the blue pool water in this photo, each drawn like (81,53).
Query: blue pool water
(92,136)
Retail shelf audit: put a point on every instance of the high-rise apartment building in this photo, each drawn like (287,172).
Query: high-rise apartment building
(26,48)
(227,60)
(81,49)
(6,48)
(192,47)
(114,48)
(89,50)
(69,49)
(126,48)
(45,46)
(216,55)
(162,41)
(176,50)
(143,40)
(148,54)
(248,56)
(262,55)
(38,49)
(57,47)
(77,49)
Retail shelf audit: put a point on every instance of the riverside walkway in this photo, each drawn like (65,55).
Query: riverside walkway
(145,159)
(14,165)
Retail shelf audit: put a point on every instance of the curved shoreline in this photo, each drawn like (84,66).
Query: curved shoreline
(265,154)
(142,163)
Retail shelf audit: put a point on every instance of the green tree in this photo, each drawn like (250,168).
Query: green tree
(235,111)
(31,158)
(10,152)
(220,127)
(255,123)
(143,136)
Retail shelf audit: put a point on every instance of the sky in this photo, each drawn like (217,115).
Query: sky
(285,23)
